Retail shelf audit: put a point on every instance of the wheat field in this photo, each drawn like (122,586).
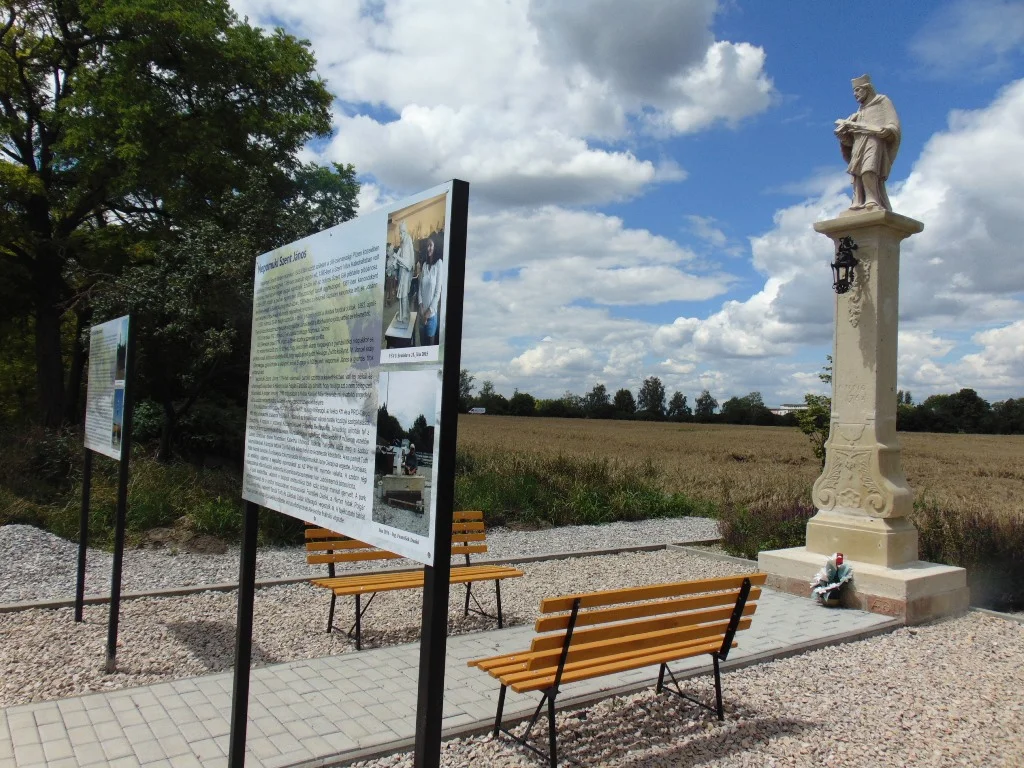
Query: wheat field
(754,465)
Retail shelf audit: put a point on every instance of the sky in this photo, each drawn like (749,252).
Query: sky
(409,394)
(644,176)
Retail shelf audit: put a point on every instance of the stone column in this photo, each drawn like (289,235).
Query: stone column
(862,495)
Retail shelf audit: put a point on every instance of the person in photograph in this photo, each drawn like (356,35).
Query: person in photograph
(429,293)
(411,460)
(405,261)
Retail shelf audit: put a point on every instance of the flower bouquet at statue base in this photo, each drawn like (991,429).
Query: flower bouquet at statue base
(830,579)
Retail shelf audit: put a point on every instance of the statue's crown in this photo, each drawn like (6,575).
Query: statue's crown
(862,80)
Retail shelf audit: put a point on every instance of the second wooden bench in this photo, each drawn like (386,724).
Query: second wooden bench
(590,635)
(325,547)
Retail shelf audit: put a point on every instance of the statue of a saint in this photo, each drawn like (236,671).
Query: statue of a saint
(405,260)
(869,139)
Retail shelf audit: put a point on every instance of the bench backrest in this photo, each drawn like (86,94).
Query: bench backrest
(687,614)
(324,546)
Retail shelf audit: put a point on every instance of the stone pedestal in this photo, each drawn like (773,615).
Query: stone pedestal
(862,495)
(914,592)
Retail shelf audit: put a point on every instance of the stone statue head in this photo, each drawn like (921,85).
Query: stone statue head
(863,89)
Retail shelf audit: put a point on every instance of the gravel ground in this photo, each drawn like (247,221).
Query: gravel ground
(36,565)
(945,694)
(45,655)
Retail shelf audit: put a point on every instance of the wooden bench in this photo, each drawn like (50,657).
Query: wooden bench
(468,538)
(599,633)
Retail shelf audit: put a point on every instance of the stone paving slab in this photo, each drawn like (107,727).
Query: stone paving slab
(320,712)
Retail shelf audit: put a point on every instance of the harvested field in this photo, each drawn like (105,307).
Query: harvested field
(773,465)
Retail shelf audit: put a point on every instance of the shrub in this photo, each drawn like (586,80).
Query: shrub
(990,548)
(534,490)
(749,530)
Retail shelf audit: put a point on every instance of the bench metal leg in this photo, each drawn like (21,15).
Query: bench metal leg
(330,615)
(497,598)
(357,628)
(551,732)
(501,706)
(469,587)
(718,689)
(678,691)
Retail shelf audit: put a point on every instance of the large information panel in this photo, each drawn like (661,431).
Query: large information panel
(104,403)
(348,329)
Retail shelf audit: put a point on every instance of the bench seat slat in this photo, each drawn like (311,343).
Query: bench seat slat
(640,610)
(468,549)
(702,645)
(352,557)
(513,667)
(619,666)
(463,516)
(342,544)
(653,592)
(385,582)
(543,659)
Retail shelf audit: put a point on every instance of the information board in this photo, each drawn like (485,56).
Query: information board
(346,364)
(104,403)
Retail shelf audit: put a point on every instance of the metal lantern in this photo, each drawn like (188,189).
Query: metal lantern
(843,266)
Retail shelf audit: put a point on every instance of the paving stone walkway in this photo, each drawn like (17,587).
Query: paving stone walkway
(321,712)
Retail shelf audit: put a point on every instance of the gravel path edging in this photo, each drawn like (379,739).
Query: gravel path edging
(585,700)
(689,549)
(264,583)
(1017,617)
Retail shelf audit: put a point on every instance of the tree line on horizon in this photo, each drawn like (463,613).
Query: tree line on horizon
(964,411)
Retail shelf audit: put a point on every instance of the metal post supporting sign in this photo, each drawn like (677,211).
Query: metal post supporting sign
(434,630)
(122,504)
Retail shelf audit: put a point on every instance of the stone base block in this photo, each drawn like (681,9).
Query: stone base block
(913,593)
(887,542)
(391,484)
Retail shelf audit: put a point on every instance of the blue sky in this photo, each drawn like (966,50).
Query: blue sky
(644,177)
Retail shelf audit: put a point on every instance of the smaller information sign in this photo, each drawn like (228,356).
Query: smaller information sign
(104,405)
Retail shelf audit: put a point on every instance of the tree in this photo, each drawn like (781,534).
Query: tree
(651,398)
(678,410)
(492,401)
(388,427)
(749,409)
(816,419)
(465,390)
(598,403)
(192,347)
(704,407)
(121,121)
(624,404)
(522,404)
(422,435)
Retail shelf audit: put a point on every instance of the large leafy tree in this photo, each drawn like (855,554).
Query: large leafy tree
(122,122)
(704,406)
(651,398)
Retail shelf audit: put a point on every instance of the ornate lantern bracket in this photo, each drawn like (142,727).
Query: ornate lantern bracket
(844,265)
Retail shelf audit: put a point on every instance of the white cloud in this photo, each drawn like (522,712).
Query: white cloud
(533,102)
(970,36)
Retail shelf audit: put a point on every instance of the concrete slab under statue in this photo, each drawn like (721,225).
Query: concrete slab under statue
(404,490)
(399,334)
(862,496)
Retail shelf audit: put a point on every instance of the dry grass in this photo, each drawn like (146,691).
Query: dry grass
(768,465)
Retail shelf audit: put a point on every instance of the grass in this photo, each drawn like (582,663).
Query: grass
(762,467)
